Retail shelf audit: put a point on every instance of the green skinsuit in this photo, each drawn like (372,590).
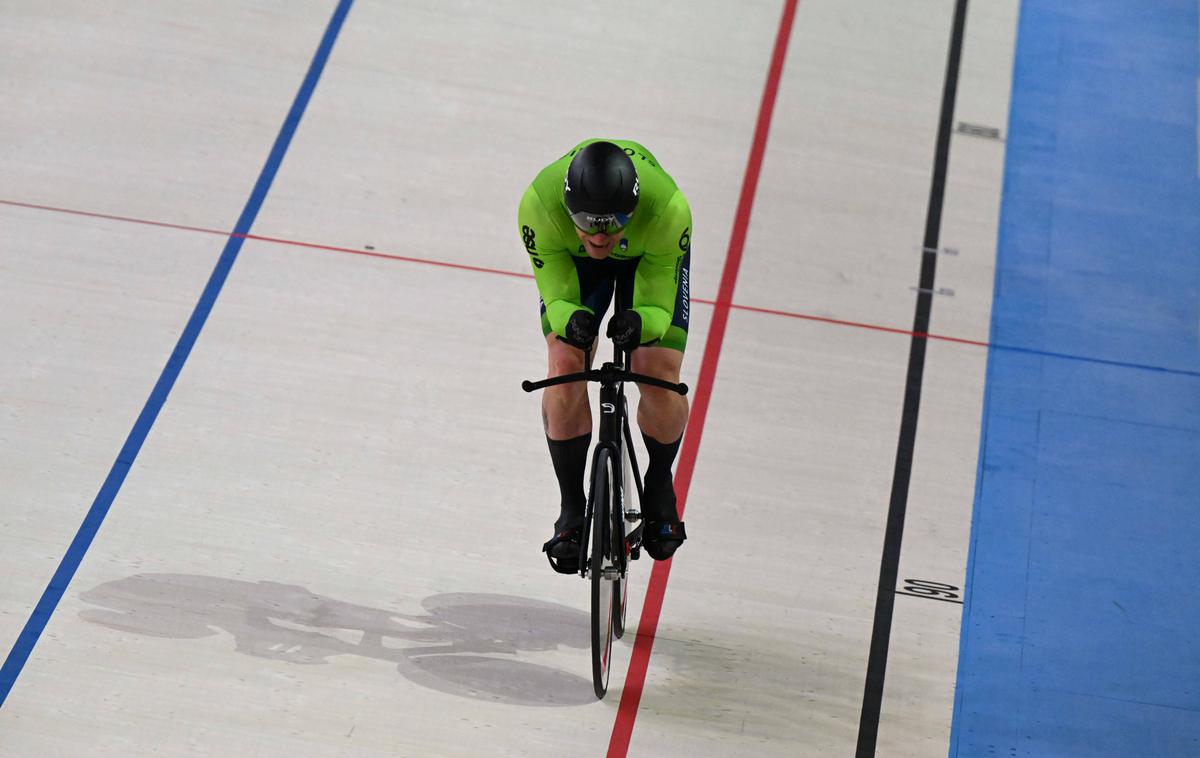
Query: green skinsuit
(652,255)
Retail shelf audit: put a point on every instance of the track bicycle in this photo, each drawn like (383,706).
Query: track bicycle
(607,510)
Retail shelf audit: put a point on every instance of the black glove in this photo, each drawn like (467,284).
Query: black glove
(581,330)
(625,329)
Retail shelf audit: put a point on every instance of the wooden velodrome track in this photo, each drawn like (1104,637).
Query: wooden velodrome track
(270,484)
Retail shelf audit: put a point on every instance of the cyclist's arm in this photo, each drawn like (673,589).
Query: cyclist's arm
(553,268)
(657,280)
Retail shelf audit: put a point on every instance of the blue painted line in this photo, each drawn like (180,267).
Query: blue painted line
(1100,361)
(33,628)
(1078,631)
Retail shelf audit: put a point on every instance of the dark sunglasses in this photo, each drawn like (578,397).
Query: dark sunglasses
(595,223)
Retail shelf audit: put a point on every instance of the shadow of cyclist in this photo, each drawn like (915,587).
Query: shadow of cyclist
(467,644)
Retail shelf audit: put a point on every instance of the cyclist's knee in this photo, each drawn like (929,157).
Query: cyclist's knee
(661,363)
(658,362)
(563,359)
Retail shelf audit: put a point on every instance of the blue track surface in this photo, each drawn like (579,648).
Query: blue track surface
(1081,630)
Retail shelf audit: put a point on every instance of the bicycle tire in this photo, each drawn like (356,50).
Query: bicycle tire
(620,605)
(621,548)
(599,560)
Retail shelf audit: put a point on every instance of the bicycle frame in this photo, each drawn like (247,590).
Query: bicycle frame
(615,435)
(614,432)
(606,563)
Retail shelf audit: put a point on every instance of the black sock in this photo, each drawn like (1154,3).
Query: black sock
(659,486)
(570,461)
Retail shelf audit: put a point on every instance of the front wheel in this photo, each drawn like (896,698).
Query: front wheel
(620,542)
(620,591)
(601,567)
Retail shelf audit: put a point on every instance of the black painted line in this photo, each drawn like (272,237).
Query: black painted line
(889,565)
(928,597)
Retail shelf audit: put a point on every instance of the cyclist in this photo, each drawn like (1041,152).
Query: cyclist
(607,217)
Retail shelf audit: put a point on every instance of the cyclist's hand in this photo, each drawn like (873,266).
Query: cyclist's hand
(581,330)
(625,329)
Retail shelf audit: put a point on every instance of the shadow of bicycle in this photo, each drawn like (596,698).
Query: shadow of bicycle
(466,644)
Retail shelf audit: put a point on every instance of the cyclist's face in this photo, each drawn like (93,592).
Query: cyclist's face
(598,245)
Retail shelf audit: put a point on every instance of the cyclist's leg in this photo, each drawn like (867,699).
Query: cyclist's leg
(567,418)
(565,410)
(662,416)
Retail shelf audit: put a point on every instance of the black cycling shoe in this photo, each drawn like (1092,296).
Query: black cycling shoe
(663,532)
(662,538)
(562,551)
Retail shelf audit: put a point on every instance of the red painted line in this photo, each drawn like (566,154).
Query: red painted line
(126,219)
(389,256)
(480,269)
(262,238)
(635,679)
(858,325)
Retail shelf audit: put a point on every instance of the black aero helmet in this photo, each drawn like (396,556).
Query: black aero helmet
(601,189)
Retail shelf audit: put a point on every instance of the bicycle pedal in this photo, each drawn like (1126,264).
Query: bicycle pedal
(635,553)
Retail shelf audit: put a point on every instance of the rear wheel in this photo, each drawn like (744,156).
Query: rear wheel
(601,570)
